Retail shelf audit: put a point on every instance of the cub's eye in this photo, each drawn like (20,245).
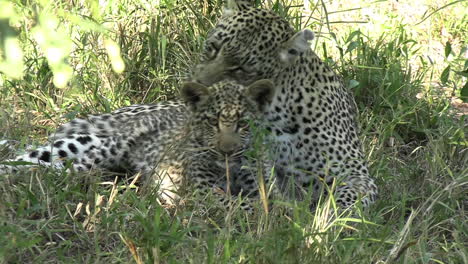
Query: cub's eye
(212,120)
(243,124)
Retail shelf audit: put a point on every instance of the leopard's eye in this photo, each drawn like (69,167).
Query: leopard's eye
(243,124)
(238,69)
(211,54)
(211,50)
(212,120)
(242,71)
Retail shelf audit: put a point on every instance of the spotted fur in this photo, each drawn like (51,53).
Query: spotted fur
(104,141)
(195,142)
(312,117)
(214,141)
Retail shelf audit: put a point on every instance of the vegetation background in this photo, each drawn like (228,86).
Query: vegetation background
(406,62)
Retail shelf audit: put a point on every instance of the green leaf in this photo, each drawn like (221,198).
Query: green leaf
(448,49)
(353,45)
(445,75)
(464,93)
(352,35)
(325,53)
(353,83)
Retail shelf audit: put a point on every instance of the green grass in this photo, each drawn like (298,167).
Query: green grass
(416,148)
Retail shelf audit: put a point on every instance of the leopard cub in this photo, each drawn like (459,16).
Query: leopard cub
(209,152)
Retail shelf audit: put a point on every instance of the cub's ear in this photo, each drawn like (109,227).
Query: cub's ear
(295,46)
(194,94)
(261,92)
(236,5)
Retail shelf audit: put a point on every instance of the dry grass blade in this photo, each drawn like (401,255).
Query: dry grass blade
(228,177)
(262,188)
(132,248)
(400,246)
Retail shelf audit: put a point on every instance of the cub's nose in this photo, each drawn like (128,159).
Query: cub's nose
(228,143)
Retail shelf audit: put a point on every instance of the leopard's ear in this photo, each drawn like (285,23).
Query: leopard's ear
(296,45)
(236,5)
(262,92)
(194,94)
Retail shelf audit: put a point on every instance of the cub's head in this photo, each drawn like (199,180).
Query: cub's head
(221,114)
(249,44)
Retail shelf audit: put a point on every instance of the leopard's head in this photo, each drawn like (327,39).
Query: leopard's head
(249,44)
(222,114)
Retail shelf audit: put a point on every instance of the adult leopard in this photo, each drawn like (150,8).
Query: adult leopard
(312,117)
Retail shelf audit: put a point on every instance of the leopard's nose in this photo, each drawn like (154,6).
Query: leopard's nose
(229,143)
